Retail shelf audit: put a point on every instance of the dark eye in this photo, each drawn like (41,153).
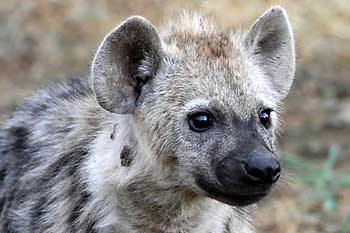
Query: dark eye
(200,121)
(264,117)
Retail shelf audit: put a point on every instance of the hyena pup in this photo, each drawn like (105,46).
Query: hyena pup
(174,132)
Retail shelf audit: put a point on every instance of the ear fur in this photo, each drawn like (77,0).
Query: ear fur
(271,46)
(126,59)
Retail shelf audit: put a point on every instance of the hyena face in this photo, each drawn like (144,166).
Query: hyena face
(203,97)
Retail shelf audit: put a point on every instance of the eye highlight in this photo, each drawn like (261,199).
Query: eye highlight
(200,121)
(265,117)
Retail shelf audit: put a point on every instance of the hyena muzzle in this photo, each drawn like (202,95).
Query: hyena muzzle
(173,132)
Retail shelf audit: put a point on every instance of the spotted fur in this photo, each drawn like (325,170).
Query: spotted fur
(60,165)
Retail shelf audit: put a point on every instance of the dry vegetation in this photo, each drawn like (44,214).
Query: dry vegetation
(44,40)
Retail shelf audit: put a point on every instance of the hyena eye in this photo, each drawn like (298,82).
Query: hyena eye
(264,117)
(200,121)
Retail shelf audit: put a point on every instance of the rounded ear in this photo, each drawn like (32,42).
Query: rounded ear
(271,45)
(127,58)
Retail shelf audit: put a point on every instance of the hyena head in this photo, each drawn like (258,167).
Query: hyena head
(206,98)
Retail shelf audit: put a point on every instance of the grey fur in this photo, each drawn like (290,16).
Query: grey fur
(61,169)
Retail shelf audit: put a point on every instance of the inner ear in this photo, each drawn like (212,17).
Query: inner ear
(271,46)
(126,60)
(143,69)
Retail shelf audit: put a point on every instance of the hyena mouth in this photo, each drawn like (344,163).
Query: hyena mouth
(245,181)
(233,198)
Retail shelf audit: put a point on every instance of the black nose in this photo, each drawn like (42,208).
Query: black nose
(262,167)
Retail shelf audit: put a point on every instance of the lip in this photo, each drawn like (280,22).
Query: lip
(239,200)
(231,198)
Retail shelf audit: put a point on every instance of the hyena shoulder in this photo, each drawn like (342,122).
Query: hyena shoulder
(42,149)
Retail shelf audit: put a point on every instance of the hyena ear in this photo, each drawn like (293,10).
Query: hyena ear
(126,59)
(271,46)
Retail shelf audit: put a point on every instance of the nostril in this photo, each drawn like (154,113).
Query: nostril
(254,173)
(262,172)
(276,173)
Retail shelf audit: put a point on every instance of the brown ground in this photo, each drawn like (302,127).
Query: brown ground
(42,40)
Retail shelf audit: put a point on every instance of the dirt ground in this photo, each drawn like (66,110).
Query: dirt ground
(45,40)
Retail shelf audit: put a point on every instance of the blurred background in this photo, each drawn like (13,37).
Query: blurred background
(45,40)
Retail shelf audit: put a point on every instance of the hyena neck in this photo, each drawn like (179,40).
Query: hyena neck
(152,208)
(142,194)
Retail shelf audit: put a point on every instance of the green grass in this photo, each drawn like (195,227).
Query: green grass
(323,181)
(346,224)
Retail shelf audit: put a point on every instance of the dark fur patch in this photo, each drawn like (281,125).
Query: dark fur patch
(20,136)
(81,196)
(125,159)
(227,228)
(67,165)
